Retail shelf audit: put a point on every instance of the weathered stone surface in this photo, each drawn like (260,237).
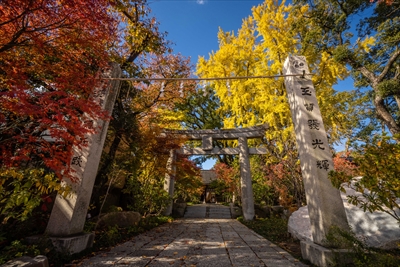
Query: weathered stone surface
(219,212)
(207,148)
(249,132)
(68,215)
(68,245)
(377,229)
(25,261)
(207,143)
(179,209)
(235,211)
(324,257)
(220,151)
(245,180)
(73,244)
(120,219)
(299,225)
(197,211)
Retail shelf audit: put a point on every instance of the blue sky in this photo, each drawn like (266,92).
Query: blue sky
(192,26)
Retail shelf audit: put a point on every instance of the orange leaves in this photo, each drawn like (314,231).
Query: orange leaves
(343,162)
(387,2)
(229,175)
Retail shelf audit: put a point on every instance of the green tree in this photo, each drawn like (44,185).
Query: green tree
(201,110)
(378,163)
(365,37)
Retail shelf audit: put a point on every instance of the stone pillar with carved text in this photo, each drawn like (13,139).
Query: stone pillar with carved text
(69,214)
(324,203)
(245,180)
(169,182)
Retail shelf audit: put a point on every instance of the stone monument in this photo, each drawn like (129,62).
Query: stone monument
(324,203)
(65,227)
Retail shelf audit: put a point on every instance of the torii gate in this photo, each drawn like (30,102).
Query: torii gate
(207,137)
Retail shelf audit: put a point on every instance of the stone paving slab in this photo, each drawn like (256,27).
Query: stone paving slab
(200,242)
(208,211)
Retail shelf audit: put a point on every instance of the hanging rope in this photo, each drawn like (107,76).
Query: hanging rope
(208,79)
(181,89)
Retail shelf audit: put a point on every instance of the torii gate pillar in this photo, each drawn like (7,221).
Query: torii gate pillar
(245,180)
(169,182)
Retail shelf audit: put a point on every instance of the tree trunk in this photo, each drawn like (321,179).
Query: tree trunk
(102,174)
(384,115)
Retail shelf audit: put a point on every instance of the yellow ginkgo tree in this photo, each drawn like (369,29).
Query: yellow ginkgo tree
(259,48)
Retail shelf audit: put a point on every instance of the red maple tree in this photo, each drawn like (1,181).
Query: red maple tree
(51,55)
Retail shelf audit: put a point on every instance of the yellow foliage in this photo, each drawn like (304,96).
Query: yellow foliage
(21,191)
(260,48)
(365,44)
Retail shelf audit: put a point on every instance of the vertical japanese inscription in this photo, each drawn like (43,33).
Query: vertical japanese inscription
(77,161)
(309,106)
(324,202)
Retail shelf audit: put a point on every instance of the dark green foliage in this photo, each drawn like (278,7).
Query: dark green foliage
(364,36)
(341,53)
(389,88)
(103,240)
(379,187)
(202,111)
(360,255)
(147,197)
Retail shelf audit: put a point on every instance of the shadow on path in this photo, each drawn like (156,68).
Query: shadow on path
(197,242)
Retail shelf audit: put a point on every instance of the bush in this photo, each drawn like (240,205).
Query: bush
(360,254)
(273,228)
(379,187)
(104,239)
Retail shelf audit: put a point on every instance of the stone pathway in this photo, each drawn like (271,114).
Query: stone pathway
(196,242)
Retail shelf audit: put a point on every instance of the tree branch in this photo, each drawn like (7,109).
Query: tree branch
(389,64)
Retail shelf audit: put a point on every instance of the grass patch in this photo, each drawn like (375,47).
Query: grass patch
(275,230)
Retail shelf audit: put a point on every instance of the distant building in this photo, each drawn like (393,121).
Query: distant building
(208,176)
(208,195)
